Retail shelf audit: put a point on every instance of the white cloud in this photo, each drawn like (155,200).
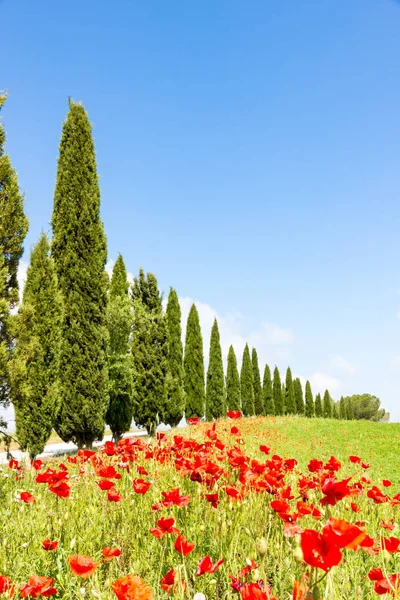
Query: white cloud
(321,381)
(341,364)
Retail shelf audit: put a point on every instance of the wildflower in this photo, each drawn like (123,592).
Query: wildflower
(206,566)
(38,586)
(82,566)
(183,546)
(49,545)
(131,587)
(110,553)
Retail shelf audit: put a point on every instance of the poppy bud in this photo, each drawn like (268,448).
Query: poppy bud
(247,530)
(316,593)
(262,547)
(298,554)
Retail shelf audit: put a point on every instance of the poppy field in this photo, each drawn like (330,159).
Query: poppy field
(258,508)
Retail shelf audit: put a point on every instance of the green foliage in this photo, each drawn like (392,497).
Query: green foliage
(298,394)
(318,406)
(79,250)
(277,393)
(349,408)
(13,229)
(232,382)
(309,401)
(327,406)
(119,322)
(335,410)
(149,357)
(194,366)
(368,407)
(290,402)
(342,409)
(257,390)
(269,406)
(215,392)
(246,384)
(175,392)
(34,369)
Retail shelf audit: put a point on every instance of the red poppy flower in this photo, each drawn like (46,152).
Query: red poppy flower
(164,525)
(377,496)
(6,586)
(183,546)
(391,545)
(280,506)
(252,591)
(38,586)
(354,507)
(234,414)
(213,498)
(265,449)
(193,421)
(108,472)
(110,448)
(206,566)
(174,498)
(335,491)
(140,486)
(110,553)
(131,587)
(49,545)
(319,551)
(105,484)
(113,496)
(168,581)
(37,464)
(60,488)
(141,470)
(344,535)
(315,466)
(235,431)
(27,497)
(384,585)
(82,566)
(354,459)
(386,483)
(301,591)
(13,464)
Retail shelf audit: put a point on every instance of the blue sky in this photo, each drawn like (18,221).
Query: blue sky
(248,154)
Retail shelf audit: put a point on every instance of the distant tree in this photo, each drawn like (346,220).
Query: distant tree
(368,407)
(298,394)
(310,409)
(175,393)
(149,356)
(194,366)
(290,401)
(269,407)
(79,250)
(342,409)
(119,322)
(327,405)
(13,229)
(277,393)
(215,391)
(257,390)
(335,410)
(232,382)
(318,406)
(34,368)
(349,408)
(246,384)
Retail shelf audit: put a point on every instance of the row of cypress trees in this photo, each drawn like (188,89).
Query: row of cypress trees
(84,351)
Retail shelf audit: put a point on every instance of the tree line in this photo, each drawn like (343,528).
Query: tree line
(85,350)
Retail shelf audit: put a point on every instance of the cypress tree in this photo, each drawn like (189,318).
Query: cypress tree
(350,412)
(342,409)
(298,394)
(13,229)
(335,410)
(232,382)
(149,357)
(35,366)
(290,402)
(269,406)
(257,390)
(215,392)
(119,321)
(79,250)
(194,366)
(318,406)
(277,393)
(246,384)
(327,405)
(309,401)
(175,392)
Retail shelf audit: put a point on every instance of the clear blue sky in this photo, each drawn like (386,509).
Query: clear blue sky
(249,155)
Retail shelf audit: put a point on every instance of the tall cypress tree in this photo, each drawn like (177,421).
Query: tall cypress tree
(335,410)
(290,401)
(215,392)
(257,390)
(309,401)
(277,393)
(246,384)
(232,382)
(149,356)
(175,392)
(298,394)
(342,409)
(269,406)
(349,409)
(194,366)
(119,321)
(327,405)
(79,250)
(318,406)
(13,229)
(35,366)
